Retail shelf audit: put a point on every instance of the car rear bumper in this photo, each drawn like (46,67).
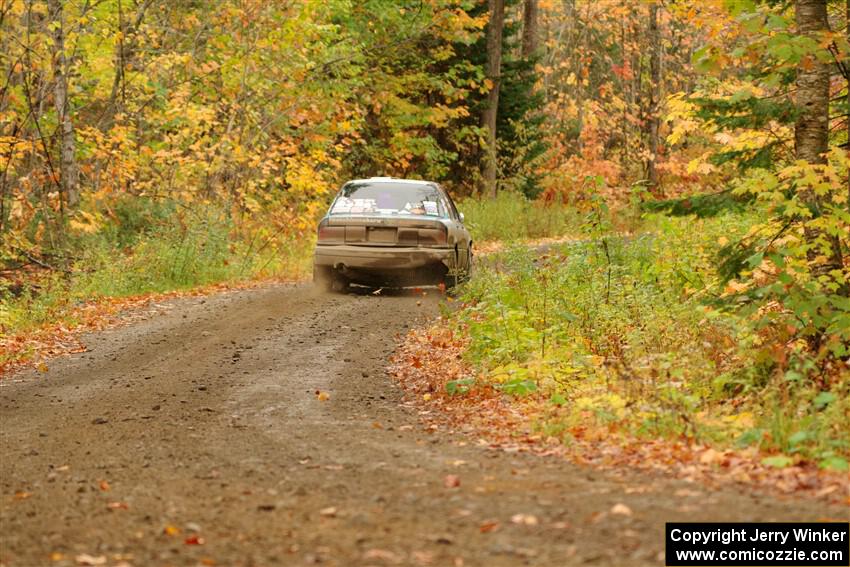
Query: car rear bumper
(381,258)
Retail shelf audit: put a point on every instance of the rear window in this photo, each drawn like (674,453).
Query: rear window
(388,198)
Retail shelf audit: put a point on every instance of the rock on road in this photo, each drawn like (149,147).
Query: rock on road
(196,437)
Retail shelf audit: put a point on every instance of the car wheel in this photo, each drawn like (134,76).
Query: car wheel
(467,272)
(457,275)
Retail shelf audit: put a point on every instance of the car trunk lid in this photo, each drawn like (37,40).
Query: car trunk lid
(388,231)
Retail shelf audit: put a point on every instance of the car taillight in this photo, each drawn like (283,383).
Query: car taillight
(433,236)
(331,234)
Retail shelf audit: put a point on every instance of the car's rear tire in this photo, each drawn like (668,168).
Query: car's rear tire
(458,275)
(467,273)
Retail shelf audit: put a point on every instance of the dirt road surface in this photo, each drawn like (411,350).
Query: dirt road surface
(196,438)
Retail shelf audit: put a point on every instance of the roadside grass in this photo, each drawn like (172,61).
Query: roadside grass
(122,260)
(511,217)
(621,336)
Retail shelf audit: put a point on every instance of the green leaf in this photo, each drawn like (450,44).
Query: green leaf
(754,260)
(799,437)
(777,22)
(835,463)
(557,399)
(824,399)
(459,386)
(518,387)
(750,437)
(738,7)
(778,461)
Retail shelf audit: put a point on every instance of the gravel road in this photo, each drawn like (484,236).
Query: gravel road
(196,437)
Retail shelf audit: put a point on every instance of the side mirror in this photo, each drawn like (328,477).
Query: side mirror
(461,217)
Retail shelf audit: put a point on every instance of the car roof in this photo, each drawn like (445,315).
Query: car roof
(393,180)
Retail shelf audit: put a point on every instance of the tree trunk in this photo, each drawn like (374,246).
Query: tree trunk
(654,118)
(493,73)
(811,132)
(69,173)
(530,29)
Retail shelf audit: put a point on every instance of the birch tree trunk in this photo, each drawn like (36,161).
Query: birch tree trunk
(69,172)
(811,132)
(490,113)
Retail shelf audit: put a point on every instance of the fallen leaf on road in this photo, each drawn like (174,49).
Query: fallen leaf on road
(194,540)
(621,510)
(423,557)
(22,495)
(524,519)
(104,486)
(322,396)
(170,530)
(86,559)
(488,526)
(377,425)
(382,554)
(827,490)
(57,556)
(710,456)
(451,481)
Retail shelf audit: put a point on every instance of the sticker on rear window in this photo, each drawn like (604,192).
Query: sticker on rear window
(346,205)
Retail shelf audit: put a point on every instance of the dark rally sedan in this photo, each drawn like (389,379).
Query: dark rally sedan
(392,232)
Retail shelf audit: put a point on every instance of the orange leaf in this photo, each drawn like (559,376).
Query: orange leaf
(488,526)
